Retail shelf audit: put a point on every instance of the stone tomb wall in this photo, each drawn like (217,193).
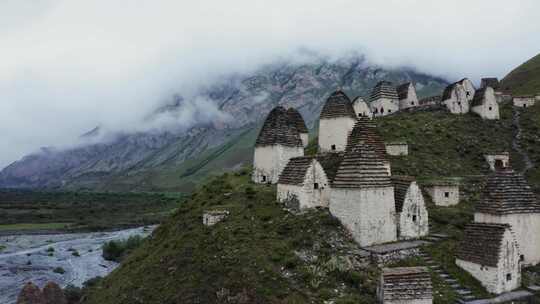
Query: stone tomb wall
(333,133)
(413,219)
(315,192)
(524,101)
(496,160)
(444,195)
(397,149)
(269,161)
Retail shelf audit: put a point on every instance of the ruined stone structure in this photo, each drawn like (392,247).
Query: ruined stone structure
(384,99)
(336,121)
(365,131)
(362,197)
(397,148)
(524,101)
(361,107)
(508,199)
(407,96)
(305,181)
(405,285)
(300,124)
(212,217)
(278,141)
(485,103)
(492,82)
(497,160)
(458,95)
(411,213)
(430,101)
(443,193)
(490,253)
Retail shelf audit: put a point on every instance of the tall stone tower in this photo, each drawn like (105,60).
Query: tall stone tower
(336,121)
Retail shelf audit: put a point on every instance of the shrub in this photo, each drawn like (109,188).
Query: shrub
(59,270)
(117,250)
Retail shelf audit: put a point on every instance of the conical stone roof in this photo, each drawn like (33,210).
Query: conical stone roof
(361,168)
(297,120)
(507,192)
(338,105)
(383,89)
(278,129)
(365,131)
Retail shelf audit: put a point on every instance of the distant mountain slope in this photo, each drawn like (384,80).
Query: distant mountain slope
(175,160)
(525,79)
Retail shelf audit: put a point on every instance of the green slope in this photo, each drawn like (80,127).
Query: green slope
(263,254)
(525,79)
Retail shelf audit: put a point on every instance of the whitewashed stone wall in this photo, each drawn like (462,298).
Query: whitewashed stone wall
(526,228)
(269,161)
(490,108)
(469,89)
(440,197)
(537,97)
(387,166)
(384,106)
(413,219)
(397,149)
(495,279)
(334,132)
(369,214)
(458,103)
(361,108)
(491,159)
(213,217)
(306,194)
(524,102)
(411,100)
(305,139)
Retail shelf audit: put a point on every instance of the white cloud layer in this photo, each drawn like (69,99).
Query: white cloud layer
(67,66)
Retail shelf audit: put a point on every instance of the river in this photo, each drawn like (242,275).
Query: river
(28,258)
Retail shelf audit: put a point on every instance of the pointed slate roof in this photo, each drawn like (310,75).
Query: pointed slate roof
(401,184)
(295,171)
(490,82)
(403,90)
(447,94)
(361,168)
(479,96)
(482,243)
(297,120)
(279,130)
(337,105)
(507,192)
(383,89)
(406,283)
(365,131)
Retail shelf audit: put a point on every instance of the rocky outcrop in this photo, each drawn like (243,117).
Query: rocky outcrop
(51,294)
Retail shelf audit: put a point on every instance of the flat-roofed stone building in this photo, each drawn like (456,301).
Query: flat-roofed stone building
(278,141)
(300,124)
(485,104)
(490,253)
(407,96)
(411,212)
(361,107)
(397,148)
(497,160)
(362,197)
(524,101)
(365,131)
(384,99)
(443,192)
(508,199)
(212,217)
(306,181)
(405,285)
(336,121)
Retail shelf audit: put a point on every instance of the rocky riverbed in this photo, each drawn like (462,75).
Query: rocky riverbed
(26,258)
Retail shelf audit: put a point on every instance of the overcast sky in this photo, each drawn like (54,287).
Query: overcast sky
(67,66)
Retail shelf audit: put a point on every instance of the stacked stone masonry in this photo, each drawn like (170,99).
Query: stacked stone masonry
(405,285)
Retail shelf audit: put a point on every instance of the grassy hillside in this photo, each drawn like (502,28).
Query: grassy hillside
(263,254)
(525,79)
(530,140)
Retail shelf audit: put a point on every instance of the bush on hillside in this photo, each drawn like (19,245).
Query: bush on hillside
(117,250)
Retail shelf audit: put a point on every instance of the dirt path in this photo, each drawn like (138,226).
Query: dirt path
(516,142)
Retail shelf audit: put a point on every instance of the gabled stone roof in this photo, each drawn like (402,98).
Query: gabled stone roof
(337,105)
(279,130)
(361,168)
(447,94)
(358,99)
(478,98)
(406,283)
(507,192)
(490,82)
(401,186)
(365,131)
(403,90)
(295,171)
(297,120)
(383,89)
(481,243)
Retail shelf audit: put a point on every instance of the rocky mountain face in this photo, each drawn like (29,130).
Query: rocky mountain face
(243,102)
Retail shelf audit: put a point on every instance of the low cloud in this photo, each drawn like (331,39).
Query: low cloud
(68,66)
